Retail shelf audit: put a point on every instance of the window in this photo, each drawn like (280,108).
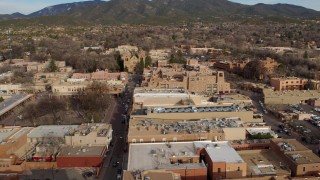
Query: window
(219,170)
(304,169)
(238,168)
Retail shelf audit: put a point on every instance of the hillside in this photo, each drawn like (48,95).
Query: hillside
(164,11)
(62,8)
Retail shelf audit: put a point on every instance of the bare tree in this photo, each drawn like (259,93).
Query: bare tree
(51,106)
(32,114)
(93,101)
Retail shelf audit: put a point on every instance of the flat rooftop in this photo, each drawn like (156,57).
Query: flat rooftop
(152,174)
(288,145)
(6,132)
(234,97)
(263,162)
(81,151)
(102,129)
(21,132)
(64,83)
(188,109)
(287,78)
(307,157)
(52,131)
(12,102)
(260,130)
(147,91)
(220,151)
(148,156)
(194,109)
(294,93)
(159,126)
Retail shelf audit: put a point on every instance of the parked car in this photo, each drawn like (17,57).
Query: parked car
(119,174)
(115,163)
(87,174)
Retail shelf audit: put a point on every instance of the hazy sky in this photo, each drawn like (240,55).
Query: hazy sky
(29,6)
(312,4)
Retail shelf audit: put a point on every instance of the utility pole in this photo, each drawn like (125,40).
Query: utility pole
(9,44)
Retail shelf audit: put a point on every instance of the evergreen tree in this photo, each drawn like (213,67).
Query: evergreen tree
(52,67)
(305,55)
(148,62)
(119,61)
(140,67)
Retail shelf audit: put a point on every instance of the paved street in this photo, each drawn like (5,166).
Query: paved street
(117,151)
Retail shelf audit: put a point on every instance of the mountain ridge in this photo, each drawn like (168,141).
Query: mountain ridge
(165,11)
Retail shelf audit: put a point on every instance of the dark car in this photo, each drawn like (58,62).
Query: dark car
(281,126)
(115,164)
(280,131)
(87,174)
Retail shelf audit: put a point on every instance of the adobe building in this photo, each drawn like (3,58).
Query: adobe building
(159,54)
(195,112)
(290,83)
(13,148)
(63,88)
(81,156)
(192,62)
(92,134)
(151,174)
(264,163)
(315,102)
(73,86)
(132,59)
(52,133)
(180,157)
(230,66)
(25,148)
(222,160)
(270,65)
(166,130)
(162,63)
(8,89)
(265,67)
(42,67)
(293,83)
(301,160)
(98,134)
(102,75)
(147,97)
(188,159)
(289,97)
(203,81)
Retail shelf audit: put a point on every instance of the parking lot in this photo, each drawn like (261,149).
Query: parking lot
(302,130)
